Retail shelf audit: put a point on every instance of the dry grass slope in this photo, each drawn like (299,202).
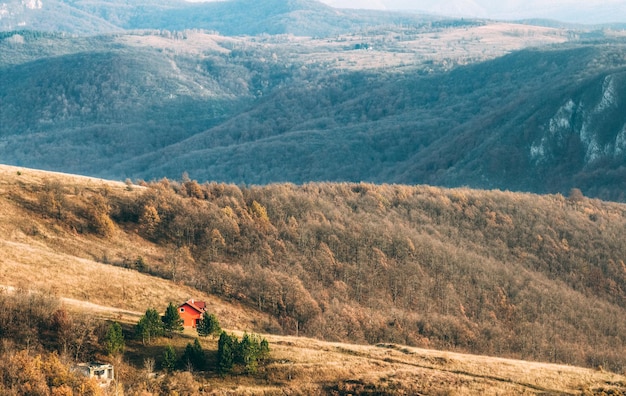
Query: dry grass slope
(391,368)
(38,256)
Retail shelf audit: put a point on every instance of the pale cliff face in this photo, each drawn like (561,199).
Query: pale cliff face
(580,119)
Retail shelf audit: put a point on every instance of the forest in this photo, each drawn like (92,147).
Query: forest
(489,272)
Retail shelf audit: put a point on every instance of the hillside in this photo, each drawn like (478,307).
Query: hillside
(53,259)
(554,123)
(503,274)
(498,273)
(433,107)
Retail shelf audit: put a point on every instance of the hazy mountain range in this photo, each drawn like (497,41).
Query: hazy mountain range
(89,17)
(589,12)
(572,11)
(301,17)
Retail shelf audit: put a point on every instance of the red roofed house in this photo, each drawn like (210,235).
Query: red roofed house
(191,312)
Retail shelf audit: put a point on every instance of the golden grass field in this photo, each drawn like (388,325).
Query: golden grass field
(67,264)
(308,366)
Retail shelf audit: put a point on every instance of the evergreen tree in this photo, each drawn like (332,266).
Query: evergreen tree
(226,347)
(264,349)
(149,326)
(114,339)
(169,359)
(247,352)
(208,325)
(250,350)
(171,320)
(140,264)
(194,355)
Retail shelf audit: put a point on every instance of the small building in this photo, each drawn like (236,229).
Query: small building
(101,371)
(191,312)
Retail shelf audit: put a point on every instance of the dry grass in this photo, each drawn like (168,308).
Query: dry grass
(312,366)
(38,256)
(64,263)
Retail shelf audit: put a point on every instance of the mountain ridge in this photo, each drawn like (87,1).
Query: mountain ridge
(233,17)
(228,110)
(592,12)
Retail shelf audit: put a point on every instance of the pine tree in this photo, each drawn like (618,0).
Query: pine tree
(114,339)
(171,320)
(247,352)
(226,347)
(208,325)
(251,350)
(264,349)
(169,359)
(194,355)
(149,326)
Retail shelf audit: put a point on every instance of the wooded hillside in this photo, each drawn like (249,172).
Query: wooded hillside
(490,272)
(431,103)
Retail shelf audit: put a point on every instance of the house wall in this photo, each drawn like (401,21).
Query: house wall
(189,315)
(102,372)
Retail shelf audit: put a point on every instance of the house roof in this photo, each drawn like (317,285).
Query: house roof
(199,306)
(95,365)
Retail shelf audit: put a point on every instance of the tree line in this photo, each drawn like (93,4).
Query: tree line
(242,356)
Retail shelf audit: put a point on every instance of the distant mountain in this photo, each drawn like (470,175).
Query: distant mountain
(540,120)
(234,17)
(587,12)
(299,17)
(238,17)
(543,121)
(52,15)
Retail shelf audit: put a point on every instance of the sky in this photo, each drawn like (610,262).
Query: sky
(589,11)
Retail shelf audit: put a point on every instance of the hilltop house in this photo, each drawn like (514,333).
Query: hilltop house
(191,312)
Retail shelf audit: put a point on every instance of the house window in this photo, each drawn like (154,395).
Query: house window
(182,310)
